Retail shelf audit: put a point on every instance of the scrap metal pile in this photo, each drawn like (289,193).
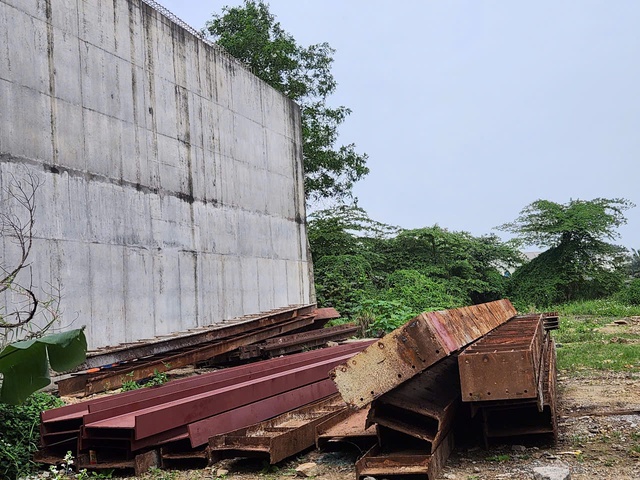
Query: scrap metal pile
(407,394)
(476,370)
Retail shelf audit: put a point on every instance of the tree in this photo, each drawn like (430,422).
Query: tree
(580,261)
(251,34)
(634,263)
(24,364)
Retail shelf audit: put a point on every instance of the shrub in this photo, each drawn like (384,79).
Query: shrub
(19,433)
(631,293)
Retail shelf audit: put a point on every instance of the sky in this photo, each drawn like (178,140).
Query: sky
(471,110)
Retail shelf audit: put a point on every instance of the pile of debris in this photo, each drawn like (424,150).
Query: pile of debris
(402,398)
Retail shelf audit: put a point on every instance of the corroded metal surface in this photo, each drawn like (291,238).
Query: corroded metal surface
(410,349)
(396,463)
(346,426)
(423,407)
(504,419)
(278,438)
(504,364)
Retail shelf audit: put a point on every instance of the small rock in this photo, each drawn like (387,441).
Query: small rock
(518,448)
(369,478)
(450,476)
(309,469)
(551,473)
(476,470)
(332,344)
(221,472)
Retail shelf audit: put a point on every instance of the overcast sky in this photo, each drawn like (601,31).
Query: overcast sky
(470,110)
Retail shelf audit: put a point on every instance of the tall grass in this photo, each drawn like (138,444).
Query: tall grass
(602,307)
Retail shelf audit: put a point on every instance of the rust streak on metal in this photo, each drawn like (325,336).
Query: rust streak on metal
(505,364)
(415,346)
(280,437)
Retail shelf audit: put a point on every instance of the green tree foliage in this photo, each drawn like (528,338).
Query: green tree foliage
(634,263)
(580,263)
(383,276)
(470,266)
(252,34)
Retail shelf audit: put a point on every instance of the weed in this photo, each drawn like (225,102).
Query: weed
(634,451)
(19,433)
(158,378)
(130,384)
(499,458)
(156,473)
(578,440)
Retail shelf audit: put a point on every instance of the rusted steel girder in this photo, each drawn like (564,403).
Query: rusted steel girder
(504,364)
(60,427)
(156,419)
(297,341)
(346,426)
(412,348)
(423,407)
(526,417)
(134,371)
(216,331)
(278,438)
(395,462)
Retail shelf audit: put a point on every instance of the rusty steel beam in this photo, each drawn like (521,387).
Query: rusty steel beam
(201,431)
(524,418)
(396,462)
(68,419)
(154,420)
(505,364)
(213,381)
(137,371)
(346,426)
(412,348)
(297,341)
(217,331)
(195,408)
(278,438)
(423,407)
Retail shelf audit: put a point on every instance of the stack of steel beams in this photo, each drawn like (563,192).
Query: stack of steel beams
(110,367)
(115,430)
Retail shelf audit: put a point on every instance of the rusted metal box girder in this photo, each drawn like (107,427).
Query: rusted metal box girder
(505,364)
(410,349)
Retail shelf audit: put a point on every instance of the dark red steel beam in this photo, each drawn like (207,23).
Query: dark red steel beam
(201,431)
(215,381)
(218,331)
(195,408)
(114,380)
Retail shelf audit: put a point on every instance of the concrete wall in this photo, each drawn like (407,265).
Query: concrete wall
(172,193)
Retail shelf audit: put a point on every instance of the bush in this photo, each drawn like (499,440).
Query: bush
(631,293)
(20,432)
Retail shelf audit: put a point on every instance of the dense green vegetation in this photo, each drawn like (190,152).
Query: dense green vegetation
(20,434)
(381,275)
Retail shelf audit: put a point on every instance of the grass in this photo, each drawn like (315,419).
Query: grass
(583,347)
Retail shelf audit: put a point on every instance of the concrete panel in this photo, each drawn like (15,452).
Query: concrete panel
(171,175)
(250,287)
(139,296)
(64,16)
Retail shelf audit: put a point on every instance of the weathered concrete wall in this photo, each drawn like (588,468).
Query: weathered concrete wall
(172,193)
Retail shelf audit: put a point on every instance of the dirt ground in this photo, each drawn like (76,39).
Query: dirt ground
(599,438)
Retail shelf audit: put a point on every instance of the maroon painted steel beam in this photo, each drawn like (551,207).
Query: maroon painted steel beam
(201,431)
(224,378)
(138,372)
(195,408)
